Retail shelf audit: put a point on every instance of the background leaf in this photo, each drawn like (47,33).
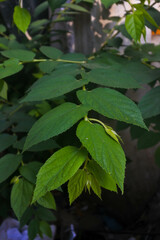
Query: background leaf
(8,165)
(20,54)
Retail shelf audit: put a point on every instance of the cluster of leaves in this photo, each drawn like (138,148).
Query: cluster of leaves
(58,131)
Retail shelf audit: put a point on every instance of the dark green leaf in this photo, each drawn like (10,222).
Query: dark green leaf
(6,141)
(20,54)
(112,104)
(8,165)
(75,7)
(3,89)
(108,3)
(22,18)
(33,229)
(157,156)
(10,67)
(149,104)
(52,87)
(21,197)
(30,171)
(55,4)
(60,167)
(104,150)
(48,66)
(55,122)
(51,52)
(148,139)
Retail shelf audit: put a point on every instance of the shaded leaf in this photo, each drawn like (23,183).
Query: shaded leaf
(47,201)
(20,54)
(8,165)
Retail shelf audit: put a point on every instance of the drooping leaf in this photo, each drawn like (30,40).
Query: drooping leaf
(22,18)
(8,165)
(47,201)
(21,196)
(105,180)
(45,214)
(51,52)
(55,122)
(112,104)
(103,149)
(149,104)
(94,185)
(52,87)
(76,185)
(134,25)
(60,167)
(6,141)
(20,54)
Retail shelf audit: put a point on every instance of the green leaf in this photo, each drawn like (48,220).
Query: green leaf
(103,149)
(105,180)
(108,3)
(45,229)
(51,52)
(21,196)
(8,165)
(76,185)
(3,89)
(116,76)
(20,54)
(33,229)
(30,170)
(93,183)
(75,7)
(22,18)
(2,28)
(148,139)
(48,66)
(149,104)
(47,201)
(6,141)
(10,67)
(55,4)
(58,169)
(112,104)
(149,18)
(40,9)
(52,87)
(55,122)
(134,25)
(45,214)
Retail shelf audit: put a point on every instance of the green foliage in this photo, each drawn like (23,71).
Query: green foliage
(56,108)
